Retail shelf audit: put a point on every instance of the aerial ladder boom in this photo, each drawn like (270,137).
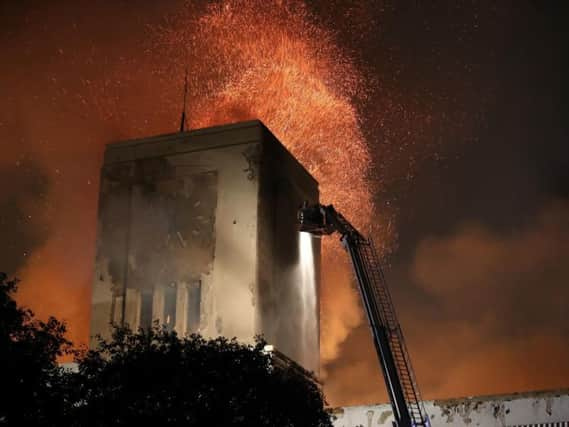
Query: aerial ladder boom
(406,402)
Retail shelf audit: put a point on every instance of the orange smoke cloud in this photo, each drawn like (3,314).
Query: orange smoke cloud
(339,305)
(489,305)
(57,272)
(500,306)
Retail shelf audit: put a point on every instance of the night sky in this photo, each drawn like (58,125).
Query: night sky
(467,121)
(480,276)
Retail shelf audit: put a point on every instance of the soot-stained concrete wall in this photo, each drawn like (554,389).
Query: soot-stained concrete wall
(294,327)
(524,409)
(198,231)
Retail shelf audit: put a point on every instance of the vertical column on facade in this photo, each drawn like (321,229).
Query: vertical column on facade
(116,318)
(158,305)
(181,308)
(132,308)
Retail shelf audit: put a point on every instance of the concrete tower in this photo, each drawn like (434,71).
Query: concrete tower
(198,231)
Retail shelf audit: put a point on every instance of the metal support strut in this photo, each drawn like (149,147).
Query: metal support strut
(408,409)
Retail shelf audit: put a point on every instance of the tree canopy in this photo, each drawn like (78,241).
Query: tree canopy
(29,373)
(155,376)
(147,376)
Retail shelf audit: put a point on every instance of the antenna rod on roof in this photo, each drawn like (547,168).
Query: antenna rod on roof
(183,120)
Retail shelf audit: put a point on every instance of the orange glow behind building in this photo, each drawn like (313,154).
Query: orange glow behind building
(245,60)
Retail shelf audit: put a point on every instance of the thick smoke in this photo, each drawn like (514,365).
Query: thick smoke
(489,305)
(23,225)
(507,290)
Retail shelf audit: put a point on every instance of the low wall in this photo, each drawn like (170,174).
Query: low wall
(524,409)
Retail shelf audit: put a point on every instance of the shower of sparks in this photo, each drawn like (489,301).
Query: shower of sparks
(268,61)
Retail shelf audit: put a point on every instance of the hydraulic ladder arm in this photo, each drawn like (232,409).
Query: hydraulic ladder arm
(391,351)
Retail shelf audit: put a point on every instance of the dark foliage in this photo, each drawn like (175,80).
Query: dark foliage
(32,382)
(153,376)
(148,377)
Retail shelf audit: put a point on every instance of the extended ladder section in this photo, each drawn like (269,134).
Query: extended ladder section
(390,346)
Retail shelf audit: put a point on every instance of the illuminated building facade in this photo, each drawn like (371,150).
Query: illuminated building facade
(198,231)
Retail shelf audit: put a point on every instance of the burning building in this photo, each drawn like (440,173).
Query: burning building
(197,230)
